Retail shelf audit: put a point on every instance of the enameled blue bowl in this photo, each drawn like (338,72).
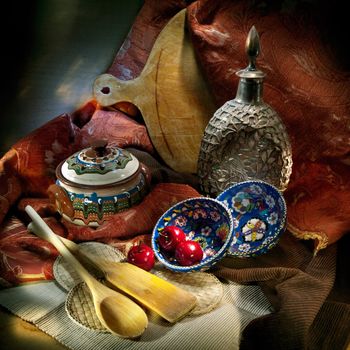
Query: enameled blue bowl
(205,220)
(259,214)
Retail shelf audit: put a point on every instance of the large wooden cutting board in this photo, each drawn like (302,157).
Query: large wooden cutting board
(171,95)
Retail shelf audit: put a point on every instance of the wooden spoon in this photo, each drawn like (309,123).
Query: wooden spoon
(117,313)
(160,296)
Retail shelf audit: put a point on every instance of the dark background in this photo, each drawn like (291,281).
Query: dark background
(51,52)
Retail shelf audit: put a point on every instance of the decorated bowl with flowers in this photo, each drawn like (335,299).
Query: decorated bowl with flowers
(205,222)
(259,215)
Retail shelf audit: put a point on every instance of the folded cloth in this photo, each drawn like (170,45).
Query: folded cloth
(312,310)
(305,84)
(310,293)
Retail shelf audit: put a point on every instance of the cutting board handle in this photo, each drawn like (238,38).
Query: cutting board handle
(109,90)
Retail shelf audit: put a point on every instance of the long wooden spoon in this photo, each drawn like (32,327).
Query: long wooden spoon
(116,312)
(160,296)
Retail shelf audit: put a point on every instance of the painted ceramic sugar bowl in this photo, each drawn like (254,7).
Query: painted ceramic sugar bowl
(97,182)
(204,220)
(259,216)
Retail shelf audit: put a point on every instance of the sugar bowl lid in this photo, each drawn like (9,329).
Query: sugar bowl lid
(98,165)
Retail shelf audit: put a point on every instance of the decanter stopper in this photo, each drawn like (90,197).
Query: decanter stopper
(245,139)
(250,84)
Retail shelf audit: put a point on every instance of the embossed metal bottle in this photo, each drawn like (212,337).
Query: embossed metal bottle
(245,139)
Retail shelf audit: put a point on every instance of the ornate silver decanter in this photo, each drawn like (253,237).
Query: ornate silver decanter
(245,139)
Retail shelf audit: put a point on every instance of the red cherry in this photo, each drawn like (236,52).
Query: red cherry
(188,253)
(142,256)
(170,237)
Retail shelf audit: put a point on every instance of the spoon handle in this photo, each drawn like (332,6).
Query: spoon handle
(47,234)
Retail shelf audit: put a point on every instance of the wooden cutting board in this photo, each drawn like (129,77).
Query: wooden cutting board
(170,93)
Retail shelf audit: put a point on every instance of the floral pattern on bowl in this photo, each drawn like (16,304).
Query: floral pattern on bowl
(259,214)
(204,220)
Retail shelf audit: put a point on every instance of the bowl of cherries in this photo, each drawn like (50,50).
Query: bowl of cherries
(193,235)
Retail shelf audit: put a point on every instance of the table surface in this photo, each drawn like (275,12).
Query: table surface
(16,334)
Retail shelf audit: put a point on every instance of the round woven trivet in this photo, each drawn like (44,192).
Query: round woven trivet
(206,287)
(79,306)
(66,276)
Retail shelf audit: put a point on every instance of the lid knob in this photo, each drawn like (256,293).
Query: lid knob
(98,149)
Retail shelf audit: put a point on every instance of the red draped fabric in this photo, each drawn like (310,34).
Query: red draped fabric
(310,89)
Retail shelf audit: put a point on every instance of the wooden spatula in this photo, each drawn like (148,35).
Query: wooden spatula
(117,313)
(160,296)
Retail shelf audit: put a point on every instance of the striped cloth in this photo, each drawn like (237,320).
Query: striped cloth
(43,305)
(310,295)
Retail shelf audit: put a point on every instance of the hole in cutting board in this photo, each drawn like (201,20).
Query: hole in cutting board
(105,90)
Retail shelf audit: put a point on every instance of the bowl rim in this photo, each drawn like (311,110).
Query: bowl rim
(212,259)
(282,225)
